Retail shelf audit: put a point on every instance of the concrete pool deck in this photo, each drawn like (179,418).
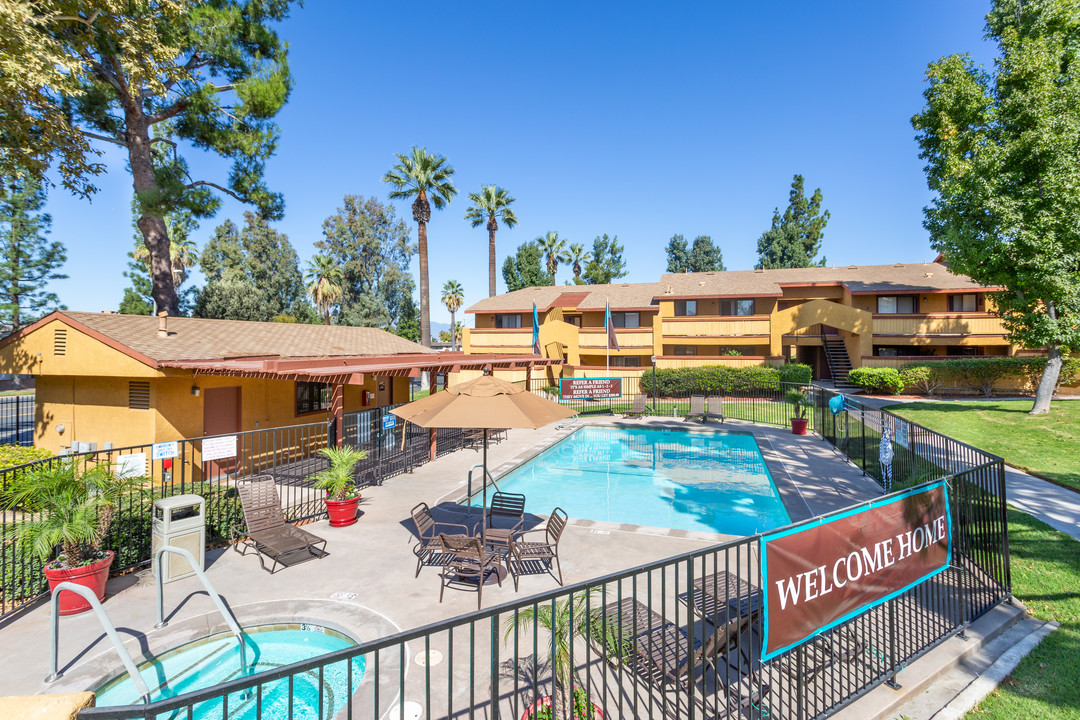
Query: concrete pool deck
(365,586)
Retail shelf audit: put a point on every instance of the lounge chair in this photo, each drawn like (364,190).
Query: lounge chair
(504,519)
(821,653)
(638,409)
(716,409)
(267,532)
(469,564)
(661,654)
(545,551)
(697,408)
(428,529)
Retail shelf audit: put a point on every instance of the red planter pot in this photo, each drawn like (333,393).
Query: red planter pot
(342,512)
(545,701)
(92,576)
(798,426)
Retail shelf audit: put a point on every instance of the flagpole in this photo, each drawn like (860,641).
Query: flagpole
(607,334)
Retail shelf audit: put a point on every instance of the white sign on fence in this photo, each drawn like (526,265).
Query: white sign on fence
(130,466)
(218,448)
(165,450)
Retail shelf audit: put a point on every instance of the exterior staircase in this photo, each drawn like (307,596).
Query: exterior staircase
(839,362)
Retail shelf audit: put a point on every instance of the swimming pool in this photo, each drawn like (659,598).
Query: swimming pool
(713,482)
(216,659)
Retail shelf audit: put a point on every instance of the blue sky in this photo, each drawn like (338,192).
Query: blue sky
(640,120)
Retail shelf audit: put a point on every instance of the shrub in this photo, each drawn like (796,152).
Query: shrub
(982,373)
(12,455)
(708,379)
(797,373)
(877,380)
(926,378)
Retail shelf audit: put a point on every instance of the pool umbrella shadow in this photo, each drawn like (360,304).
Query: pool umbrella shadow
(485,403)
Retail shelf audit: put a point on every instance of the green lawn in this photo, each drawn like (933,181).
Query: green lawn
(1044,445)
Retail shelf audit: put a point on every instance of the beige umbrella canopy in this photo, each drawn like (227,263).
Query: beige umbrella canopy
(486,403)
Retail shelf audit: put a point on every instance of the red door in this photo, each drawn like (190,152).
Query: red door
(221,416)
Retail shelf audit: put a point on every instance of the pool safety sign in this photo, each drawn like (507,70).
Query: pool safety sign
(590,388)
(820,574)
(165,450)
(389,421)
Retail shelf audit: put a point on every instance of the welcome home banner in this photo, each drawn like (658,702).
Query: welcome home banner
(820,575)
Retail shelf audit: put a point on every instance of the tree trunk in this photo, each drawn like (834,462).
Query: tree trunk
(425,310)
(155,233)
(491,262)
(1049,380)
(453,332)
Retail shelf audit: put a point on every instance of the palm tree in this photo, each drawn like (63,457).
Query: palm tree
(452,297)
(555,250)
(459,330)
(427,178)
(492,202)
(578,256)
(326,284)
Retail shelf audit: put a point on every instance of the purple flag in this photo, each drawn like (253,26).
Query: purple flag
(612,341)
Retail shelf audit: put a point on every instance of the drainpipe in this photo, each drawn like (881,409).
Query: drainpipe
(337,410)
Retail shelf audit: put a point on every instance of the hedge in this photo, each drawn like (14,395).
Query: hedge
(981,374)
(877,380)
(708,379)
(797,373)
(12,455)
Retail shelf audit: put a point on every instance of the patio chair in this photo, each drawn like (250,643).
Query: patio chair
(638,409)
(504,519)
(697,408)
(428,530)
(661,654)
(469,564)
(716,409)
(267,532)
(841,646)
(545,551)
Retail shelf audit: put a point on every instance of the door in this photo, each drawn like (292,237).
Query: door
(221,416)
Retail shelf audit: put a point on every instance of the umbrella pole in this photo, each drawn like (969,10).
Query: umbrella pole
(483,520)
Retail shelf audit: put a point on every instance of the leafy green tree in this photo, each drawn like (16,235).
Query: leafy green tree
(678,255)
(428,179)
(28,259)
(554,250)
(607,262)
(326,284)
(491,204)
(452,297)
(152,78)
(706,257)
(408,324)
(794,238)
(373,248)
(137,299)
(578,256)
(233,298)
(1002,154)
(524,269)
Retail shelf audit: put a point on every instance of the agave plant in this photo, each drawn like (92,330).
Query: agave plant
(337,479)
(70,503)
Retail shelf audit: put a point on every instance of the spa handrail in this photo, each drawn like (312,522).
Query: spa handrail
(230,619)
(106,624)
(469,491)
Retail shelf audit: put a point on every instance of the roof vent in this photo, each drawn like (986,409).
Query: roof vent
(669,290)
(138,395)
(59,342)
(929,275)
(852,267)
(163,324)
(701,283)
(898,265)
(759,270)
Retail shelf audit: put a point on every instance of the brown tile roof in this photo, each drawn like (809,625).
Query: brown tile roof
(593,297)
(917,277)
(200,339)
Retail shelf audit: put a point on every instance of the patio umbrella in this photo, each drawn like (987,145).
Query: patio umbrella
(484,403)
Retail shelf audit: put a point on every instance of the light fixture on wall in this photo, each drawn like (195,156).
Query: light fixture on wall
(196,390)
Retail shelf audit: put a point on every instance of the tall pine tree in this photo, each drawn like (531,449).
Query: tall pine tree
(29,260)
(794,239)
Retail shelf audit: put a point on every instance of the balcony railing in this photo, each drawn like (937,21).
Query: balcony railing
(699,326)
(684,361)
(938,324)
(628,338)
(516,338)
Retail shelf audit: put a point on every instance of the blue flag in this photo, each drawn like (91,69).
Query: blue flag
(536,330)
(613,342)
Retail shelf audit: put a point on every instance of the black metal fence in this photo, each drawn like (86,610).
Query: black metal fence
(674,638)
(17,420)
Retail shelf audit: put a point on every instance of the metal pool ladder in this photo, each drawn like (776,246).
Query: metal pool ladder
(469,492)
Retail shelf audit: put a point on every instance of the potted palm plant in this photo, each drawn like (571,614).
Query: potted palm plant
(563,621)
(337,480)
(800,401)
(69,504)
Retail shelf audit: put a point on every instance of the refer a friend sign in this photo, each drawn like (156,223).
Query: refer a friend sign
(821,574)
(590,388)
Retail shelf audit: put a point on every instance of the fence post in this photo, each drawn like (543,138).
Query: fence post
(862,424)
(894,655)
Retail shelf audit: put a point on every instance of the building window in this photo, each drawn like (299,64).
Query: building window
(138,395)
(897,304)
(737,307)
(505,321)
(887,352)
(312,397)
(626,361)
(626,319)
(685,308)
(964,303)
(574,320)
(686,349)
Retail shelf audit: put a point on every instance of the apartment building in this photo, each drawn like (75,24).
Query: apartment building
(832,318)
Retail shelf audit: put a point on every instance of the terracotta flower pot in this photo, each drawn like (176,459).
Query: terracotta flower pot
(798,426)
(545,702)
(93,576)
(342,512)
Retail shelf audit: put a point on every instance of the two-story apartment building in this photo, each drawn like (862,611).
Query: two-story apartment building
(832,318)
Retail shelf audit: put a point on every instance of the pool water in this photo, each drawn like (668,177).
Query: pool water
(215,660)
(712,482)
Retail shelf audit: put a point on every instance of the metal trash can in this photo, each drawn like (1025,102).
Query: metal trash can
(179,521)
